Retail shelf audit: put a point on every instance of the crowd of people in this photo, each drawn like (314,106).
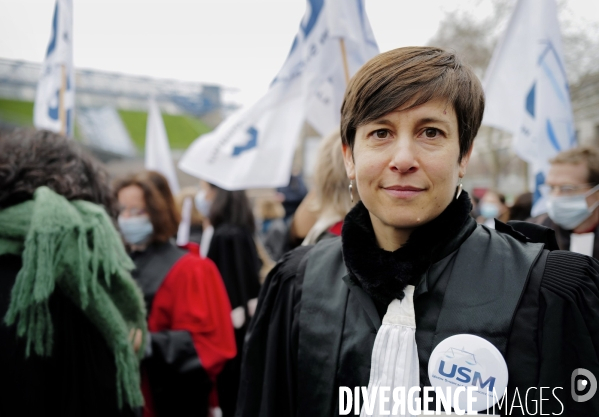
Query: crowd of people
(274,304)
(571,193)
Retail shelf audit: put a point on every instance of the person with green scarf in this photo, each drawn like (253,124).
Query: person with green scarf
(68,304)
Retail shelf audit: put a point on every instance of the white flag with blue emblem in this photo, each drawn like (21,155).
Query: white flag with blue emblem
(54,107)
(254,147)
(527,90)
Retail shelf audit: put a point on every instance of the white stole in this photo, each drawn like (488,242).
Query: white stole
(394,360)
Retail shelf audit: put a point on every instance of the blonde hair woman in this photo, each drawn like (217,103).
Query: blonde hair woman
(331,200)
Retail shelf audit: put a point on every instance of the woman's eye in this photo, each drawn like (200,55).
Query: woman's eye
(381,134)
(431,132)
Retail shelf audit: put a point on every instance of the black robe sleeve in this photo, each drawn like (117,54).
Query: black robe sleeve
(180,384)
(569,330)
(268,378)
(555,331)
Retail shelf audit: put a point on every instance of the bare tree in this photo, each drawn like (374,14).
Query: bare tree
(581,50)
(474,38)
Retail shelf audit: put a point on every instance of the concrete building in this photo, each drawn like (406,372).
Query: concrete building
(585,103)
(18,81)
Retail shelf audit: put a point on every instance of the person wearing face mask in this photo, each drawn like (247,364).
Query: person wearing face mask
(572,192)
(203,202)
(196,226)
(228,240)
(190,331)
(492,206)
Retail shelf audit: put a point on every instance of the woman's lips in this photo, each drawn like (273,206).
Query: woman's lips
(403,191)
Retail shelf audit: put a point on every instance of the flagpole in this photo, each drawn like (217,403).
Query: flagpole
(344,59)
(61,106)
(526,176)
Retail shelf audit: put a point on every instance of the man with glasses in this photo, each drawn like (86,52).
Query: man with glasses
(572,192)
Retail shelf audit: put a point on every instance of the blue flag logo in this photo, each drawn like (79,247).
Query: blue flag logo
(250,144)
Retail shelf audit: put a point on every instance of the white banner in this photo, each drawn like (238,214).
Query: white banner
(527,89)
(158,153)
(185,225)
(254,147)
(102,128)
(54,107)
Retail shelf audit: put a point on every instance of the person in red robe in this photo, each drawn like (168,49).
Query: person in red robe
(191,335)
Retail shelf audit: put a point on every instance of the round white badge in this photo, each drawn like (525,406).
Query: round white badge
(468,361)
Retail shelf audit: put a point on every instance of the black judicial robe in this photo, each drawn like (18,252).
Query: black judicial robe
(555,329)
(233,250)
(189,324)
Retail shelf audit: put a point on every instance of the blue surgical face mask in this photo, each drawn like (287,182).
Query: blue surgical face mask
(489,210)
(136,230)
(568,212)
(202,204)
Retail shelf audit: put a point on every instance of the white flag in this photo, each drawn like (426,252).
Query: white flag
(185,225)
(55,96)
(158,153)
(527,90)
(254,147)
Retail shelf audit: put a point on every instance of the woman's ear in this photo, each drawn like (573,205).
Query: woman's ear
(348,160)
(465,160)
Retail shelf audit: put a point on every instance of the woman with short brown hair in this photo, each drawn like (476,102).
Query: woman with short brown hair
(414,294)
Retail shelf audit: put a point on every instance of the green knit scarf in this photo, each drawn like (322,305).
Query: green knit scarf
(73,245)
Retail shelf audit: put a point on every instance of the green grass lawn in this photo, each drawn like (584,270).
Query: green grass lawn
(181,129)
(16,112)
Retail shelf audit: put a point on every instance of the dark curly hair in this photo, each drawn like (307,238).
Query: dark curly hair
(32,158)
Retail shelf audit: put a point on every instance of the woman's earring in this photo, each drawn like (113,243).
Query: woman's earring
(460,187)
(351,194)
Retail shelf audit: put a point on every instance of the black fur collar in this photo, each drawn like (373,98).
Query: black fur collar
(384,275)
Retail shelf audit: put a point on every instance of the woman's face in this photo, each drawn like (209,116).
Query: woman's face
(210,192)
(490,198)
(131,202)
(134,221)
(405,165)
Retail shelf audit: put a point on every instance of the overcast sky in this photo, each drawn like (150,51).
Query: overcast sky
(234,43)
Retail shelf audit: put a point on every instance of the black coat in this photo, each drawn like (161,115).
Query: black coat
(233,250)
(78,379)
(555,328)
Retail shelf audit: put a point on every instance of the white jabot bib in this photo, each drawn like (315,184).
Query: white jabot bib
(206,240)
(394,360)
(583,243)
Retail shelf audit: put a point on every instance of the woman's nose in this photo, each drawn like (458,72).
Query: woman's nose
(403,159)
